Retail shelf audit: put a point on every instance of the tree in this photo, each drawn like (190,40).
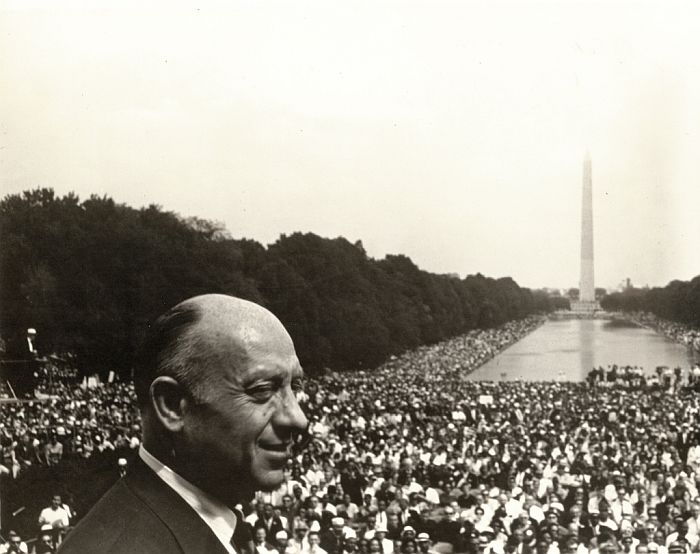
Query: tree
(90,274)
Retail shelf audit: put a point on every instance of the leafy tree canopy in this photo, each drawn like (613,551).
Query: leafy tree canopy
(89,274)
(678,301)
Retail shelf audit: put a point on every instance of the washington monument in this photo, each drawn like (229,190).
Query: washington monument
(586,282)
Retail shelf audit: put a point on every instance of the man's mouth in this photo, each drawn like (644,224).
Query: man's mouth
(280,447)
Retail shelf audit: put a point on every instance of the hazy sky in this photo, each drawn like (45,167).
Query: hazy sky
(451,132)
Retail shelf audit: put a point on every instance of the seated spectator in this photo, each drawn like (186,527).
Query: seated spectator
(262,546)
(425,544)
(314,544)
(45,544)
(14,545)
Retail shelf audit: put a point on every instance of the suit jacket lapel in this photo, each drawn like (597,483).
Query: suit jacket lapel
(190,530)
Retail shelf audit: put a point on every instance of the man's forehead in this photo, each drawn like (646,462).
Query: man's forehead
(248,324)
(243,333)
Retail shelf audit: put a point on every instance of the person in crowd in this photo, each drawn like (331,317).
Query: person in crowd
(387,545)
(14,544)
(333,538)
(282,542)
(55,518)
(269,520)
(261,544)
(53,451)
(45,544)
(350,545)
(298,543)
(314,544)
(122,467)
(425,544)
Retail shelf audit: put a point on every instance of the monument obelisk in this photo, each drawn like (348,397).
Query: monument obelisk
(587,301)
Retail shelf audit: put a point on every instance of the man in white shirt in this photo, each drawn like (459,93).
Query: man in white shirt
(55,517)
(216,381)
(380,535)
(314,546)
(261,544)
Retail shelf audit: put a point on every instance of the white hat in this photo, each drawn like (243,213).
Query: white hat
(337,521)
(557,506)
(121,462)
(31,331)
(281,535)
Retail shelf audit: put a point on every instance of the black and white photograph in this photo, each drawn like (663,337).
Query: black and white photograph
(349,277)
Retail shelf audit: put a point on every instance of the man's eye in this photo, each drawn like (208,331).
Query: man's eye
(262,392)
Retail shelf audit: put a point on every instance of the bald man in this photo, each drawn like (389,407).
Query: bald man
(216,381)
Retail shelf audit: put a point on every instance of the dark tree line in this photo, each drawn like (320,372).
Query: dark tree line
(89,274)
(678,301)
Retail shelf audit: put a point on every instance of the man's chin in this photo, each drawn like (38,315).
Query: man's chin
(270,479)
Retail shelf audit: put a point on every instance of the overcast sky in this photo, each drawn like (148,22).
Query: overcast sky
(451,132)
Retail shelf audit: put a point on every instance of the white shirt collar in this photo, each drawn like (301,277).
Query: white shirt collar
(219,517)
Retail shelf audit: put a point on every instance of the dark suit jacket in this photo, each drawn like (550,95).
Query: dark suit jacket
(140,514)
(272,527)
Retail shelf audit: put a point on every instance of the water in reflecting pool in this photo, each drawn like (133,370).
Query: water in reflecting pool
(569,349)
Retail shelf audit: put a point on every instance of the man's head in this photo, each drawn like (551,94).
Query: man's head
(281,539)
(338,524)
(14,541)
(314,538)
(260,535)
(423,540)
(216,379)
(56,501)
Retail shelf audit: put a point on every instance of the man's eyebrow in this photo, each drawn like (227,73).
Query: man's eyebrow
(264,371)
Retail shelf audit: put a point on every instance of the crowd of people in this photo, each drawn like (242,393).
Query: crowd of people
(414,457)
(78,417)
(663,377)
(677,332)
(74,421)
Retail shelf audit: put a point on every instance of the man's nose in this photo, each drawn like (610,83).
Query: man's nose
(290,414)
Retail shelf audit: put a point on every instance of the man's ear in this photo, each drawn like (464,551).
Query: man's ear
(169,401)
